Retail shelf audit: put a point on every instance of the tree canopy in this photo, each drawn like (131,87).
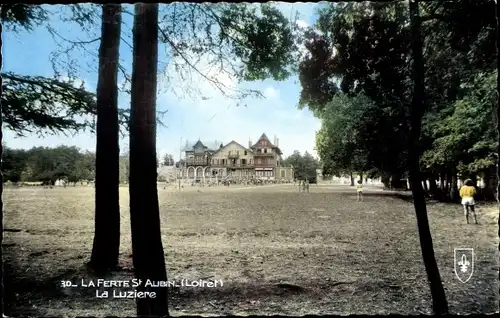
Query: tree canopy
(304,166)
(47,164)
(244,42)
(356,78)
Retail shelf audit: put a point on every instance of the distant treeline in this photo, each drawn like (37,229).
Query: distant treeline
(44,164)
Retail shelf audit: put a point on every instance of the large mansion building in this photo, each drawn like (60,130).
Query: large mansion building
(208,161)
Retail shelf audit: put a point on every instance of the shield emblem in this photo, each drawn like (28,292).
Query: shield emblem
(464,263)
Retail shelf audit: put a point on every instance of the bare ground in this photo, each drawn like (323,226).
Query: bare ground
(276,251)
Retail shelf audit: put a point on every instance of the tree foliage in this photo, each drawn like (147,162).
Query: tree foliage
(362,51)
(339,142)
(168,160)
(242,42)
(40,105)
(304,166)
(47,164)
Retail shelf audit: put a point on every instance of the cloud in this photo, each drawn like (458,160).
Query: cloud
(271,93)
(197,108)
(302,24)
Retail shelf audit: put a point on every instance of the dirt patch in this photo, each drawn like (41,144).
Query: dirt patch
(275,250)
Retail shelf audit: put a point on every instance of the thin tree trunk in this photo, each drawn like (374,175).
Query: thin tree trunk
(489,184)
(424,183)
(433,187)
(396,182)
(439,303)
(352,180)
(106,247)
(473,177)
(497,115)
(386,180)
(147,247)
(453,186)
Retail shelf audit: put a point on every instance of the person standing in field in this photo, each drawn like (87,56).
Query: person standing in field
(467,193)
(307,185)
(359,190)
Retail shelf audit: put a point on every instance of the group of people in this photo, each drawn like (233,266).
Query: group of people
(303,186)
(467,193)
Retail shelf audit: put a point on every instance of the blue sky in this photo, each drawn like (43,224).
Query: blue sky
(214,119)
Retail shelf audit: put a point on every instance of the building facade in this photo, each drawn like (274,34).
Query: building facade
(216,161)
(267,157)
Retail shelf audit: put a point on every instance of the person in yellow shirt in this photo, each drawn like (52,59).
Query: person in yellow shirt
(467,193)
(359,190)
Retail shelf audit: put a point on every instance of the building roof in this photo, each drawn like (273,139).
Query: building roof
(236,143)
(216,145)
(210,145)
(271,145)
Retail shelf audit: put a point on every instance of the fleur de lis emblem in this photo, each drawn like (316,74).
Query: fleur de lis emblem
(464,264)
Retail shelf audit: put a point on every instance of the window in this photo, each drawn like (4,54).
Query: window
(238,152)
(265,150)
(282,173)
(245,152)
(243,161)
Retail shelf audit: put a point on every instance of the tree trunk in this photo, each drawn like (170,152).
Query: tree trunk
(386,180)
(424,183)
(352,180)
(442,176)
(439,303)
(106,247)
(433,187)
(488,191)
(473,177)
(453,187)
(147,247)
(497,115)
(396,182)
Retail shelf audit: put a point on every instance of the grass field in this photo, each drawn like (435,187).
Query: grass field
(276,251)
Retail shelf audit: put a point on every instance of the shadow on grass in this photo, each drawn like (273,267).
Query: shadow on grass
(19,291)
(27,295)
